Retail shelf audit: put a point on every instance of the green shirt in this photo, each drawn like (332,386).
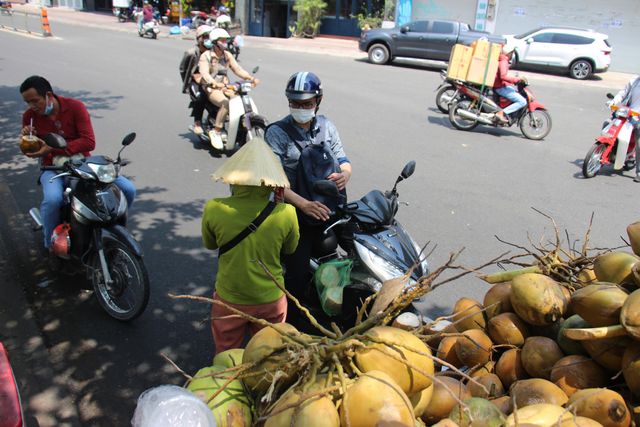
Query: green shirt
(240,279)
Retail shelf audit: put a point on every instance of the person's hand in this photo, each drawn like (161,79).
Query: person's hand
(28,130)
(315,210)
(340,178)
(42,152)
(255,82)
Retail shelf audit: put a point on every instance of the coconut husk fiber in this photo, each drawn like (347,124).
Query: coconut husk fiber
(253,164)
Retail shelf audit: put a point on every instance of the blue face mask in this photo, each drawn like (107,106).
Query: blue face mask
(48,108)
(208,44)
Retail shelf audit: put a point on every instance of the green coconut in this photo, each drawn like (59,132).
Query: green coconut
(537,299)
(477,412)
(630,314)
(568,345)
(615,267)
(599,304)
(229,358)
(231,407)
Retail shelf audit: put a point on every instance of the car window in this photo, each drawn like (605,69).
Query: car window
(418,26)
(440,27)
(527,34)
(543,38)
(571,39)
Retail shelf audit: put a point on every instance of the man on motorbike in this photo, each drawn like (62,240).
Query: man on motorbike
(503,85)
(146,15)
(51,113)
(213,67)
(189,73)
(629,96)
(304,94)
(241,282)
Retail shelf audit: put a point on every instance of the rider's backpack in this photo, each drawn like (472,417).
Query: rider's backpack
(316,162)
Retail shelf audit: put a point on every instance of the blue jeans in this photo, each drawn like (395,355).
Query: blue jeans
(512,95)
(52,200)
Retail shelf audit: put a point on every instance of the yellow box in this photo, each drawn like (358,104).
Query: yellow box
(483,52)
(459,62)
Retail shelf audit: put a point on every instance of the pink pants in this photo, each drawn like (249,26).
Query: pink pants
(230,332)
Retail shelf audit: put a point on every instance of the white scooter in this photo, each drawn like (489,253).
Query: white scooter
(148,29)
(243,122)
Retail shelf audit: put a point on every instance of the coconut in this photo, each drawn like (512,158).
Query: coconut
(503,403)
(599,304)
(421,400)
(509,367)
(615,267)
(30,144)
(630,314)
(631,367)
(536,390)
(507,328)
(573,373)
(318,411)
(608,352)
(398,344)
(447,351)
(473,347)
(477,412)
(229,358)
(567,345)
(537,299)
(497,299)
(633,231)
(490,386)
(445,422)
(443,401)
(586,276)
(487,368)
(265,342)
(579,422)
(435,332)
(539,354)
(538,415)
(231,407)
(603,405)
(374,398)
(468,314)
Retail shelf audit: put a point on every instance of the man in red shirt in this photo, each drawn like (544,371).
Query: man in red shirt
(51,113)
(503,85)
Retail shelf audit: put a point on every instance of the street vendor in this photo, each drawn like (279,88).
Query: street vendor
(249,228)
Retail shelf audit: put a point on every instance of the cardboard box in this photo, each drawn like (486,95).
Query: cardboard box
(459,62)
(479,72)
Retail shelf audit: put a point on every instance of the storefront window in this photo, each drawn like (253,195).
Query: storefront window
(330,11)
(346,8)
(256,12)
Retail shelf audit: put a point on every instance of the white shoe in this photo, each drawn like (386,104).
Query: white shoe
(216,140)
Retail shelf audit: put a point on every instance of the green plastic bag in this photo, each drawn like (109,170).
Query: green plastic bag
(330,279)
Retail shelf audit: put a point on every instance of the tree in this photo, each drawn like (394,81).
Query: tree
(310,12)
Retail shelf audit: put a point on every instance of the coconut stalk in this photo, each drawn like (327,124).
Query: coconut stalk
(585,334)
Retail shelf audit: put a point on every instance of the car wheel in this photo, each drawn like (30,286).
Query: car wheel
(580,69)
(379,54)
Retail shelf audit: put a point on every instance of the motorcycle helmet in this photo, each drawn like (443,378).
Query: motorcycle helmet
(60,240)
(218,33)
(203,30)
(508,48)
(223,9)
(302,86)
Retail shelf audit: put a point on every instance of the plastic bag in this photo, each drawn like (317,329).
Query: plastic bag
(330,279)
(239,41)
(171,406)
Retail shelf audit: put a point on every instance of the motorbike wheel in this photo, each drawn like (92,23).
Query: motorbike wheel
(122,19)
(593,160)
(258,127)
(458,122)
(447,91)
(154,36)
(535,124)
(128,295)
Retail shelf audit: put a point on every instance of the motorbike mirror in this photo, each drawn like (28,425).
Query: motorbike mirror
(255,70)
(326,188)
(404,29)
(610,96)
(129,139)
(55,141)
(408,169)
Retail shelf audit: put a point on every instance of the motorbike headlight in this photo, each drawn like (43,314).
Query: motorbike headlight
(381,268)
(105,173)
(246,87)
(622,112)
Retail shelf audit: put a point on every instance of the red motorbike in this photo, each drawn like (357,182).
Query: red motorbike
(476,106)
(616,143)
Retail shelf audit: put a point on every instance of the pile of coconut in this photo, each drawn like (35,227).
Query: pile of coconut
(554,342)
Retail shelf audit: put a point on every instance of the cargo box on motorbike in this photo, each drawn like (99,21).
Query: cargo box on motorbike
(459,62)
(484,63)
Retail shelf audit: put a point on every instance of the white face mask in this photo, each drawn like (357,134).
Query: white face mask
(302,115)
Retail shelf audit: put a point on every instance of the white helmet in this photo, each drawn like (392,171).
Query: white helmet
(508,48)
(218,33)
(203,30)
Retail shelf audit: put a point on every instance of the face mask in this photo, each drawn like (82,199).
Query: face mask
(222,45)
(48,108)
(302,115)
(208,44)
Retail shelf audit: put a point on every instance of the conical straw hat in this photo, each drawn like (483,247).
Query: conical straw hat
(253,164)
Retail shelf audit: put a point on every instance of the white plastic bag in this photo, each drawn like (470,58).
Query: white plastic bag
(171,406)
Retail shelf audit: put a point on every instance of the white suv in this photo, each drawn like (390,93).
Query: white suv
(580,52)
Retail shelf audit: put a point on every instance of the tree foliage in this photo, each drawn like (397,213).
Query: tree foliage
(310,12)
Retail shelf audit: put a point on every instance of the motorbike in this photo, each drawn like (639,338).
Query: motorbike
(6,8)
(616,143)
(447,92)
(149,29)
(480,107)
(243,122)
(93,237)
(124,14)
(199,18)
(381,248)
(233,45)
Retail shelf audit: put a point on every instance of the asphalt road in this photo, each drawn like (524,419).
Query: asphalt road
(467,188)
